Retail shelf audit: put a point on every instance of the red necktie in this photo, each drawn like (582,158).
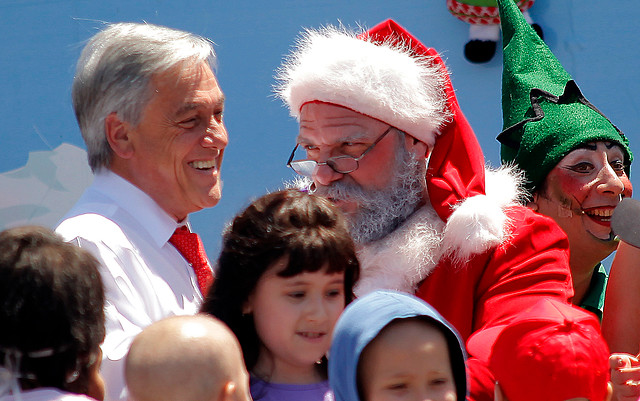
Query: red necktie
(191,248)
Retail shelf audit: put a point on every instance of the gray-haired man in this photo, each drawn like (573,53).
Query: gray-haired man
(150,111)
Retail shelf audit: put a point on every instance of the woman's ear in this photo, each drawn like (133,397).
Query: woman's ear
(533,203)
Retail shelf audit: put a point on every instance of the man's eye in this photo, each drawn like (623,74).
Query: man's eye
(219,116)
(189,123)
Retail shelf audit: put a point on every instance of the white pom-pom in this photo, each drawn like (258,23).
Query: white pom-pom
(479,223)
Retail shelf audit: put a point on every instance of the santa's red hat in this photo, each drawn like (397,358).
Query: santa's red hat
(387,74)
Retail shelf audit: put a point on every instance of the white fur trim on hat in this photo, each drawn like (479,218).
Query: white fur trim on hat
(383,81)
(479,222)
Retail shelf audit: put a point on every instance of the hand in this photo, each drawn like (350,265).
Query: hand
(625,377)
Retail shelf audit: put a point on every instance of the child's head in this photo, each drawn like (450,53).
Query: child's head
(186,358)
(552,351)
(388,345)
(51,313)
(283,251)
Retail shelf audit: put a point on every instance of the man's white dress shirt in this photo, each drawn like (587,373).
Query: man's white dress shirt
(145,277)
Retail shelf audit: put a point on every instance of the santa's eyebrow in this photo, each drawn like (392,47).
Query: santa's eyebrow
(356,137)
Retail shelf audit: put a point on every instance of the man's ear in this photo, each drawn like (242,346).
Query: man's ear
(118,136)
(417,147)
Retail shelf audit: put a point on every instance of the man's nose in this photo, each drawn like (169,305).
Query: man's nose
(215,137)
(325,175)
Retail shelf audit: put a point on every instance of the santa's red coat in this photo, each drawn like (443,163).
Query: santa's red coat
(486,292)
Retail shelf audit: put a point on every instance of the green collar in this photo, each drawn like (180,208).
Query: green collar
(593,300)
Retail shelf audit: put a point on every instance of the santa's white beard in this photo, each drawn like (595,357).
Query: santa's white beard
(381,211)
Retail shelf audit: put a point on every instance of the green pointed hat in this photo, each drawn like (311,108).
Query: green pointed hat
(545,115)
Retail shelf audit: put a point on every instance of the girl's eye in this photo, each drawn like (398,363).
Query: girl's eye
(334,293)
(296,294)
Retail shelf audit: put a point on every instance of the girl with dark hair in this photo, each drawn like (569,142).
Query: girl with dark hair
(52,318)
(285,273)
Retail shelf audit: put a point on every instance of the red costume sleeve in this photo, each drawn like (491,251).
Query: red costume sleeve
(483,295)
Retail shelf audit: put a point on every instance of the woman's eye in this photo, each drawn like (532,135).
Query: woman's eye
(583,167)
(617,165)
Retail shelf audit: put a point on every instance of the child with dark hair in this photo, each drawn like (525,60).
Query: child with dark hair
(389,345)
(285,273)
(52,318)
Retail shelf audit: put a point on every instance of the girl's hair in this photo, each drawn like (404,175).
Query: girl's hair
(51,309)
(307,228)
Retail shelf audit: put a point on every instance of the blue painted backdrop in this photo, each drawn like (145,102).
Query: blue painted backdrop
(40,40)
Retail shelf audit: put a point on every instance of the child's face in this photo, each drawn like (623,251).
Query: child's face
(408,360)
(294,318)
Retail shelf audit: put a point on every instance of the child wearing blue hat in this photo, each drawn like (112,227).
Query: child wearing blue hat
(388,345)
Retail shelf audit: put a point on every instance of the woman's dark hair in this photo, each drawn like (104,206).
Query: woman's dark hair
(51,309)
(306,228)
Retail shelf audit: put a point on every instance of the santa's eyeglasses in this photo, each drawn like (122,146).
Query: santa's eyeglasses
(340,164)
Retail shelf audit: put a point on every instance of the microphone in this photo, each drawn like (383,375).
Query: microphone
(625,221)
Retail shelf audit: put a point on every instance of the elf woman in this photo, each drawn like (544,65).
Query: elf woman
(575,161)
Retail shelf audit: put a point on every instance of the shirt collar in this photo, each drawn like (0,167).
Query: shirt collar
(152,218)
